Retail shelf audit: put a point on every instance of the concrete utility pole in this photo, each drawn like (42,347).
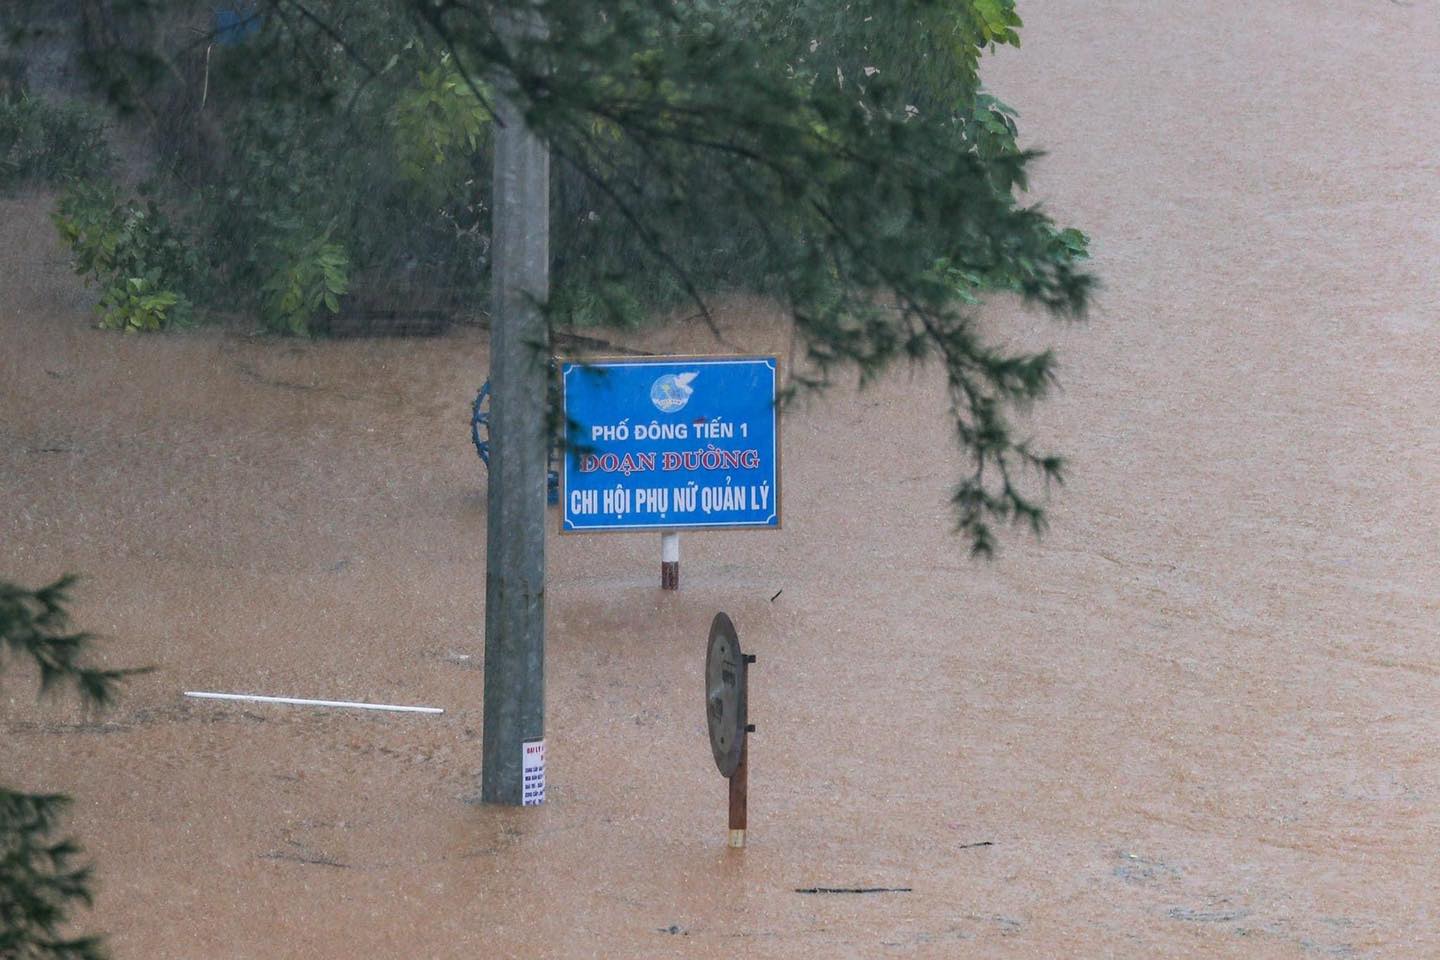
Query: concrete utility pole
(519,374)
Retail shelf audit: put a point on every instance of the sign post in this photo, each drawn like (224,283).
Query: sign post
(727,670)
(670,560)
(671,444)
(514,708)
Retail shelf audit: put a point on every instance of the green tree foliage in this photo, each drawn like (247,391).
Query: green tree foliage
(309,278)
(438,127)
(862,201)
(49,143)
(40,881)
(841,158)
(142,263)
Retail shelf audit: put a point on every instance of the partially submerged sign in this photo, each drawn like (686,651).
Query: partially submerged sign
(669,443)
(727,692)
(725,702)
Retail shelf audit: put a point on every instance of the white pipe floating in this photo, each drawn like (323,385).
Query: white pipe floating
(300,702)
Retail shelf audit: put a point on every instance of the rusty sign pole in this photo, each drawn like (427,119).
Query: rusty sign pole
(740,797)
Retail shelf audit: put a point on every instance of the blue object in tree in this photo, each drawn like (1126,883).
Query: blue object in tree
(234,24)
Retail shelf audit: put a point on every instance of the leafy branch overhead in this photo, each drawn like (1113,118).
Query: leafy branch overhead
(40,880)
(842,159)
(879,208)
(35,628)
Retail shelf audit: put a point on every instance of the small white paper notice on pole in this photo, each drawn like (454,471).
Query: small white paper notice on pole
(533,772)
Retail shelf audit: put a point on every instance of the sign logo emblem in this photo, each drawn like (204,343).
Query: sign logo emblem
(671,392)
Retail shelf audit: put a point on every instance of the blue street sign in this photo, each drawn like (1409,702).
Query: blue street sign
(669,443)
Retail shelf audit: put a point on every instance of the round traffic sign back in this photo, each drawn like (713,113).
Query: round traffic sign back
(725,694)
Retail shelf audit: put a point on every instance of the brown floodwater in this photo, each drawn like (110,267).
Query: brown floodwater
(1197,720)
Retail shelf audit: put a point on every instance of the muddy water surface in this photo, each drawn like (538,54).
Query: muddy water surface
(1198,720)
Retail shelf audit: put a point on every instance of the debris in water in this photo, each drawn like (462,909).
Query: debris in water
(1206,916)
(316,860)
(853,890)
